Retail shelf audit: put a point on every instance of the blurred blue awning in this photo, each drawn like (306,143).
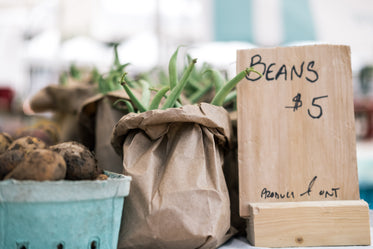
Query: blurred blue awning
(276,22)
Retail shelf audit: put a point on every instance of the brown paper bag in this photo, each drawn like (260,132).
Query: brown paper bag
(64,102)
(97,119)
(178,197)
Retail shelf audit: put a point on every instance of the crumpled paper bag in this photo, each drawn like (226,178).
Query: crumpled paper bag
(178,197)
(97,119)
(64,101)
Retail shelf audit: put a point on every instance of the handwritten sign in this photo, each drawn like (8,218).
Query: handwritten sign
(296,129)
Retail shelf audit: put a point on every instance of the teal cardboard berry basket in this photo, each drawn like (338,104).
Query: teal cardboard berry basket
(62,214)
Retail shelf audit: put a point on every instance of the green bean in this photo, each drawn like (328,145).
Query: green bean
(195,84)
(128,104)
(114,82)
(199,94)
(154,89)
(109,84)
(175,93)
(145,98)
(132,96)
(194,73)
(172,69)
(223,92)
(102,85)
(95,75)
(74,72)
(178,104)
(116,57)
(158,97)
(163,78)
(120,67)
(217,79)
(230,97)
(63,79)
(145,76)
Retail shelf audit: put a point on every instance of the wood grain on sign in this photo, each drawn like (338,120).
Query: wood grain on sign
(310,223)
(296,130)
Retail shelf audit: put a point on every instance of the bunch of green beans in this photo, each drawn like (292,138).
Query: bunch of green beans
(73,73)
(172,92)
(200,85)
(175,87)
(110,81)
(205,85)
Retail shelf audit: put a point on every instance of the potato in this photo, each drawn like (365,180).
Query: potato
(35,132)
(27,143)
(39,165)
(52,129)
(47,131)
(5,141)
(9,160)
(80,162)
(102,177)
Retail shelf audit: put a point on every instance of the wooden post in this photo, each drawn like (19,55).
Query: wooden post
(296,128)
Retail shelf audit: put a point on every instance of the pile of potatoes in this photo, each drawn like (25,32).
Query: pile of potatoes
(29,158)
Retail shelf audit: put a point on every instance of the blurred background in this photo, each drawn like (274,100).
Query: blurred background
(39,39)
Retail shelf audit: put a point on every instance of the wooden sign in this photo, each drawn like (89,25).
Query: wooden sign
(296,129)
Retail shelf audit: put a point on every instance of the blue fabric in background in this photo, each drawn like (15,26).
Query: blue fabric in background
(298,21)
(366,193)
(365,169)
(233,20)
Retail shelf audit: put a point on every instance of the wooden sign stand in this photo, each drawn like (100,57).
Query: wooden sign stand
(310,223)
(298,181)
